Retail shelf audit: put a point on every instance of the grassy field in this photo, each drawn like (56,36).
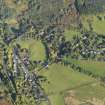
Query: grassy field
(36,48)
(62,79)
(97,68)
(98,25)
(89,91)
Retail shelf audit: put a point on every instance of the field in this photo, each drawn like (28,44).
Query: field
(36,48)
(97,24)
(96,67)
(63,79)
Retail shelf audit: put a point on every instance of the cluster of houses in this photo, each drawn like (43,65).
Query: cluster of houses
(20,62)
(90,45)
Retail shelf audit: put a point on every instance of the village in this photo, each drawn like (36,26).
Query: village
(39,63)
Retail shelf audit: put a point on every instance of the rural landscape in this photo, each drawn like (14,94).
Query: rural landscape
(52,52)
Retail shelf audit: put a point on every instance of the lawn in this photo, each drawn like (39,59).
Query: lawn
(61,79)
(36,48)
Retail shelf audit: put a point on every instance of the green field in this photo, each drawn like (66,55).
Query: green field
(90,91)
(63,79)
(98,25)
(97,68)
(36,48)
